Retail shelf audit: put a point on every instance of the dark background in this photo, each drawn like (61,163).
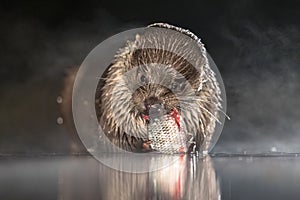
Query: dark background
(255,44)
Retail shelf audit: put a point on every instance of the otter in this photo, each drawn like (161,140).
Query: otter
(158,69)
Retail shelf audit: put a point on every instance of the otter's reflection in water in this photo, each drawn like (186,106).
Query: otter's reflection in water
(186,178)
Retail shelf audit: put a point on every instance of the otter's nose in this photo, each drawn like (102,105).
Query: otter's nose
(150,101)
(156,111)
(153,107)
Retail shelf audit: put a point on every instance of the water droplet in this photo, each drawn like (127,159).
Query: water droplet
(273,149)
(85,102)
(59,99)
(60,120)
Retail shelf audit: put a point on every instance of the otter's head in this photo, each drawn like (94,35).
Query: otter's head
(142,79)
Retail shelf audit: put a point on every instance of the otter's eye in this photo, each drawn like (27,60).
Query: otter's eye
(143,79)
(178,85)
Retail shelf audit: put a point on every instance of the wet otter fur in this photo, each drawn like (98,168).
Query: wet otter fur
(151,61)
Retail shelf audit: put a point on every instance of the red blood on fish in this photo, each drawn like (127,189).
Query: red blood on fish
(181,150)
(146,117)
(175,114)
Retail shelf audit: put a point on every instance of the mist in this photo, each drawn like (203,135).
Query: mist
(262,81)
(256,50)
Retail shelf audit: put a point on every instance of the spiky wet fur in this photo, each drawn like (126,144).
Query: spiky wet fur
(121,96)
